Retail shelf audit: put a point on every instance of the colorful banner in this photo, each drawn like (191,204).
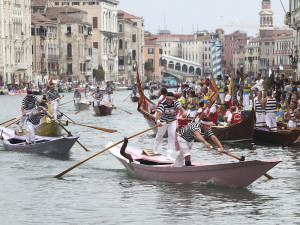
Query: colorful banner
(143,103)
(213,90)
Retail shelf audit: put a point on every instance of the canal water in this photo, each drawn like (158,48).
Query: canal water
(100,191)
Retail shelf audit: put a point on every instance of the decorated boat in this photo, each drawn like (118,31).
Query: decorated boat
(237,132)
(49,129)
(160,168)
(135,98)
(103,110)
(278,137)
(80,105)
(12,142)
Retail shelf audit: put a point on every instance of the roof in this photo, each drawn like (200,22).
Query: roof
(39,3)
(125,15)
(62,13)
(39,19)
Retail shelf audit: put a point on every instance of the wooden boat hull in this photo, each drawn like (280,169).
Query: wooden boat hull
(285,137)
(52,129)
(60,145)
(103,110)
(238,132)
(135,98)
(81,105)
(159,168)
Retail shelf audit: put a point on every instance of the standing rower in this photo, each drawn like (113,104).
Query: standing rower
(98,96)
(28,104)
(53,100)
(77,95)
(110,93)
(167,111)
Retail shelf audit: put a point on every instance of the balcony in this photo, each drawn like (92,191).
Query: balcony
(21,66)
(88,58)
(53,57)
(121,68)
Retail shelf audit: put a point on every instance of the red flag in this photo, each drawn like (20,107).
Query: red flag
(213,90)
(143,103)
(51,80)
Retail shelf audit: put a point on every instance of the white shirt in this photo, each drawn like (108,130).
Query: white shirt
(227,98)
(212,109)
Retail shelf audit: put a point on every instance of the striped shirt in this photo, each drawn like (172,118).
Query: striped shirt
(168,112)
(98,94)
(258,107)
(29,103)
(109,89)
(77,94)
(270,106)
(35,120)
(187,133)
(52,95)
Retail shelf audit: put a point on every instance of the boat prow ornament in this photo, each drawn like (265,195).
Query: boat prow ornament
(24,132)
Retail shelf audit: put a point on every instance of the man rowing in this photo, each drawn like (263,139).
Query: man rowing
(186,138)
(28,104)
(110,93)
(98,96)
(53,100)
(167,111)
(77,95)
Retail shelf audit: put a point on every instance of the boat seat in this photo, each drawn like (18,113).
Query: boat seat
(149,152)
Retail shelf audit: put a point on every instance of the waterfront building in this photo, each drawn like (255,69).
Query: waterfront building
(15,42)
(252,56)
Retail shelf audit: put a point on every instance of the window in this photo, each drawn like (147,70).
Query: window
(95,44)
(120,44)
(69,50)
(69,30)
(120,28)
(75,3)
(56,3)
(69,68)
(121,60)
(150,50)
(95,22)
(160,51)
(135,24)
(134,38)
(133,54)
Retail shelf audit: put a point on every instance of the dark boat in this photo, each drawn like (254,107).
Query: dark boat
(135,98)
(103,110)
(279,137)
(237,132)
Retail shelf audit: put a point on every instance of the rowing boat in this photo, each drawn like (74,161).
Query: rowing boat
(12,142)
(49,129)
(279,137)
(160,168)
(80,105)
(103,110)
(237,132)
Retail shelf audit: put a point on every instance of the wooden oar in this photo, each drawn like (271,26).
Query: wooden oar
(69,133)
(97,128)
(9,120)
(13,123)
(103,150)
(66,116)
(243,159)
(118,107)
(66,102)
(83,108)
(127,97)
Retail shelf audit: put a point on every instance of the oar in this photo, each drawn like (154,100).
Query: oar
(243,159)
(103,150)
(69,133)
(118,107)
(10,120)
(83,108)
(66,102)
(13,123)
(127,97)
(97,128)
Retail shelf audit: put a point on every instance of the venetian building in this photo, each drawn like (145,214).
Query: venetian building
(15,42)
(130,47)
(252,57)
(266,20)
(102,14)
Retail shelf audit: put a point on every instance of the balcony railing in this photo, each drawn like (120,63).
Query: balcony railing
(21,66)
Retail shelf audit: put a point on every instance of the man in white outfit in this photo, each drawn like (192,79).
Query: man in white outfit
(166,111)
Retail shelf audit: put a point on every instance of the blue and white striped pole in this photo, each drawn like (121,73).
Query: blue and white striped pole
(218,60)
(213,56)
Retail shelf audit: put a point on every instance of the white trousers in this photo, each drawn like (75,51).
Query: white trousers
(76,100)
(97,102)
(111,98)
(88,97)
(222,97)
(31,129)
(185,150)
(171,127)
(271,120)
(23,118)
(246,101)
(260,119)
(53,107)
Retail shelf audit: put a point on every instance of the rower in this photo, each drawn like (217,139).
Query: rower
(110,92)
(53,100)
(234,116)
(33,121)
(167,111)
(98,96)
(259,110)
(200,111)
(87,93)
(28,104)
(269,105)
(77,95)
(290,116)
(186,138)
(210,112)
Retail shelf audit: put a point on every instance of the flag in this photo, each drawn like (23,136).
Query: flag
(143,103)
(229,87)
(51,80)
(213,90)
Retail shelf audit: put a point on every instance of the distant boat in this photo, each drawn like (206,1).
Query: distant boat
(80,105)
(103,110)
(12,142)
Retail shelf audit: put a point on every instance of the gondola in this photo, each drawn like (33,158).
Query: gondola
(279,137)
(160,168)
(12,142)
(103,110)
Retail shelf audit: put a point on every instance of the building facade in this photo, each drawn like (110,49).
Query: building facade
(15,42)
(252,57)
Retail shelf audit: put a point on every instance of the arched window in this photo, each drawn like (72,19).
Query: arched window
(120,44)
(69,50)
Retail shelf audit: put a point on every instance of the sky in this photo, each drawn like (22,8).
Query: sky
(185,16)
